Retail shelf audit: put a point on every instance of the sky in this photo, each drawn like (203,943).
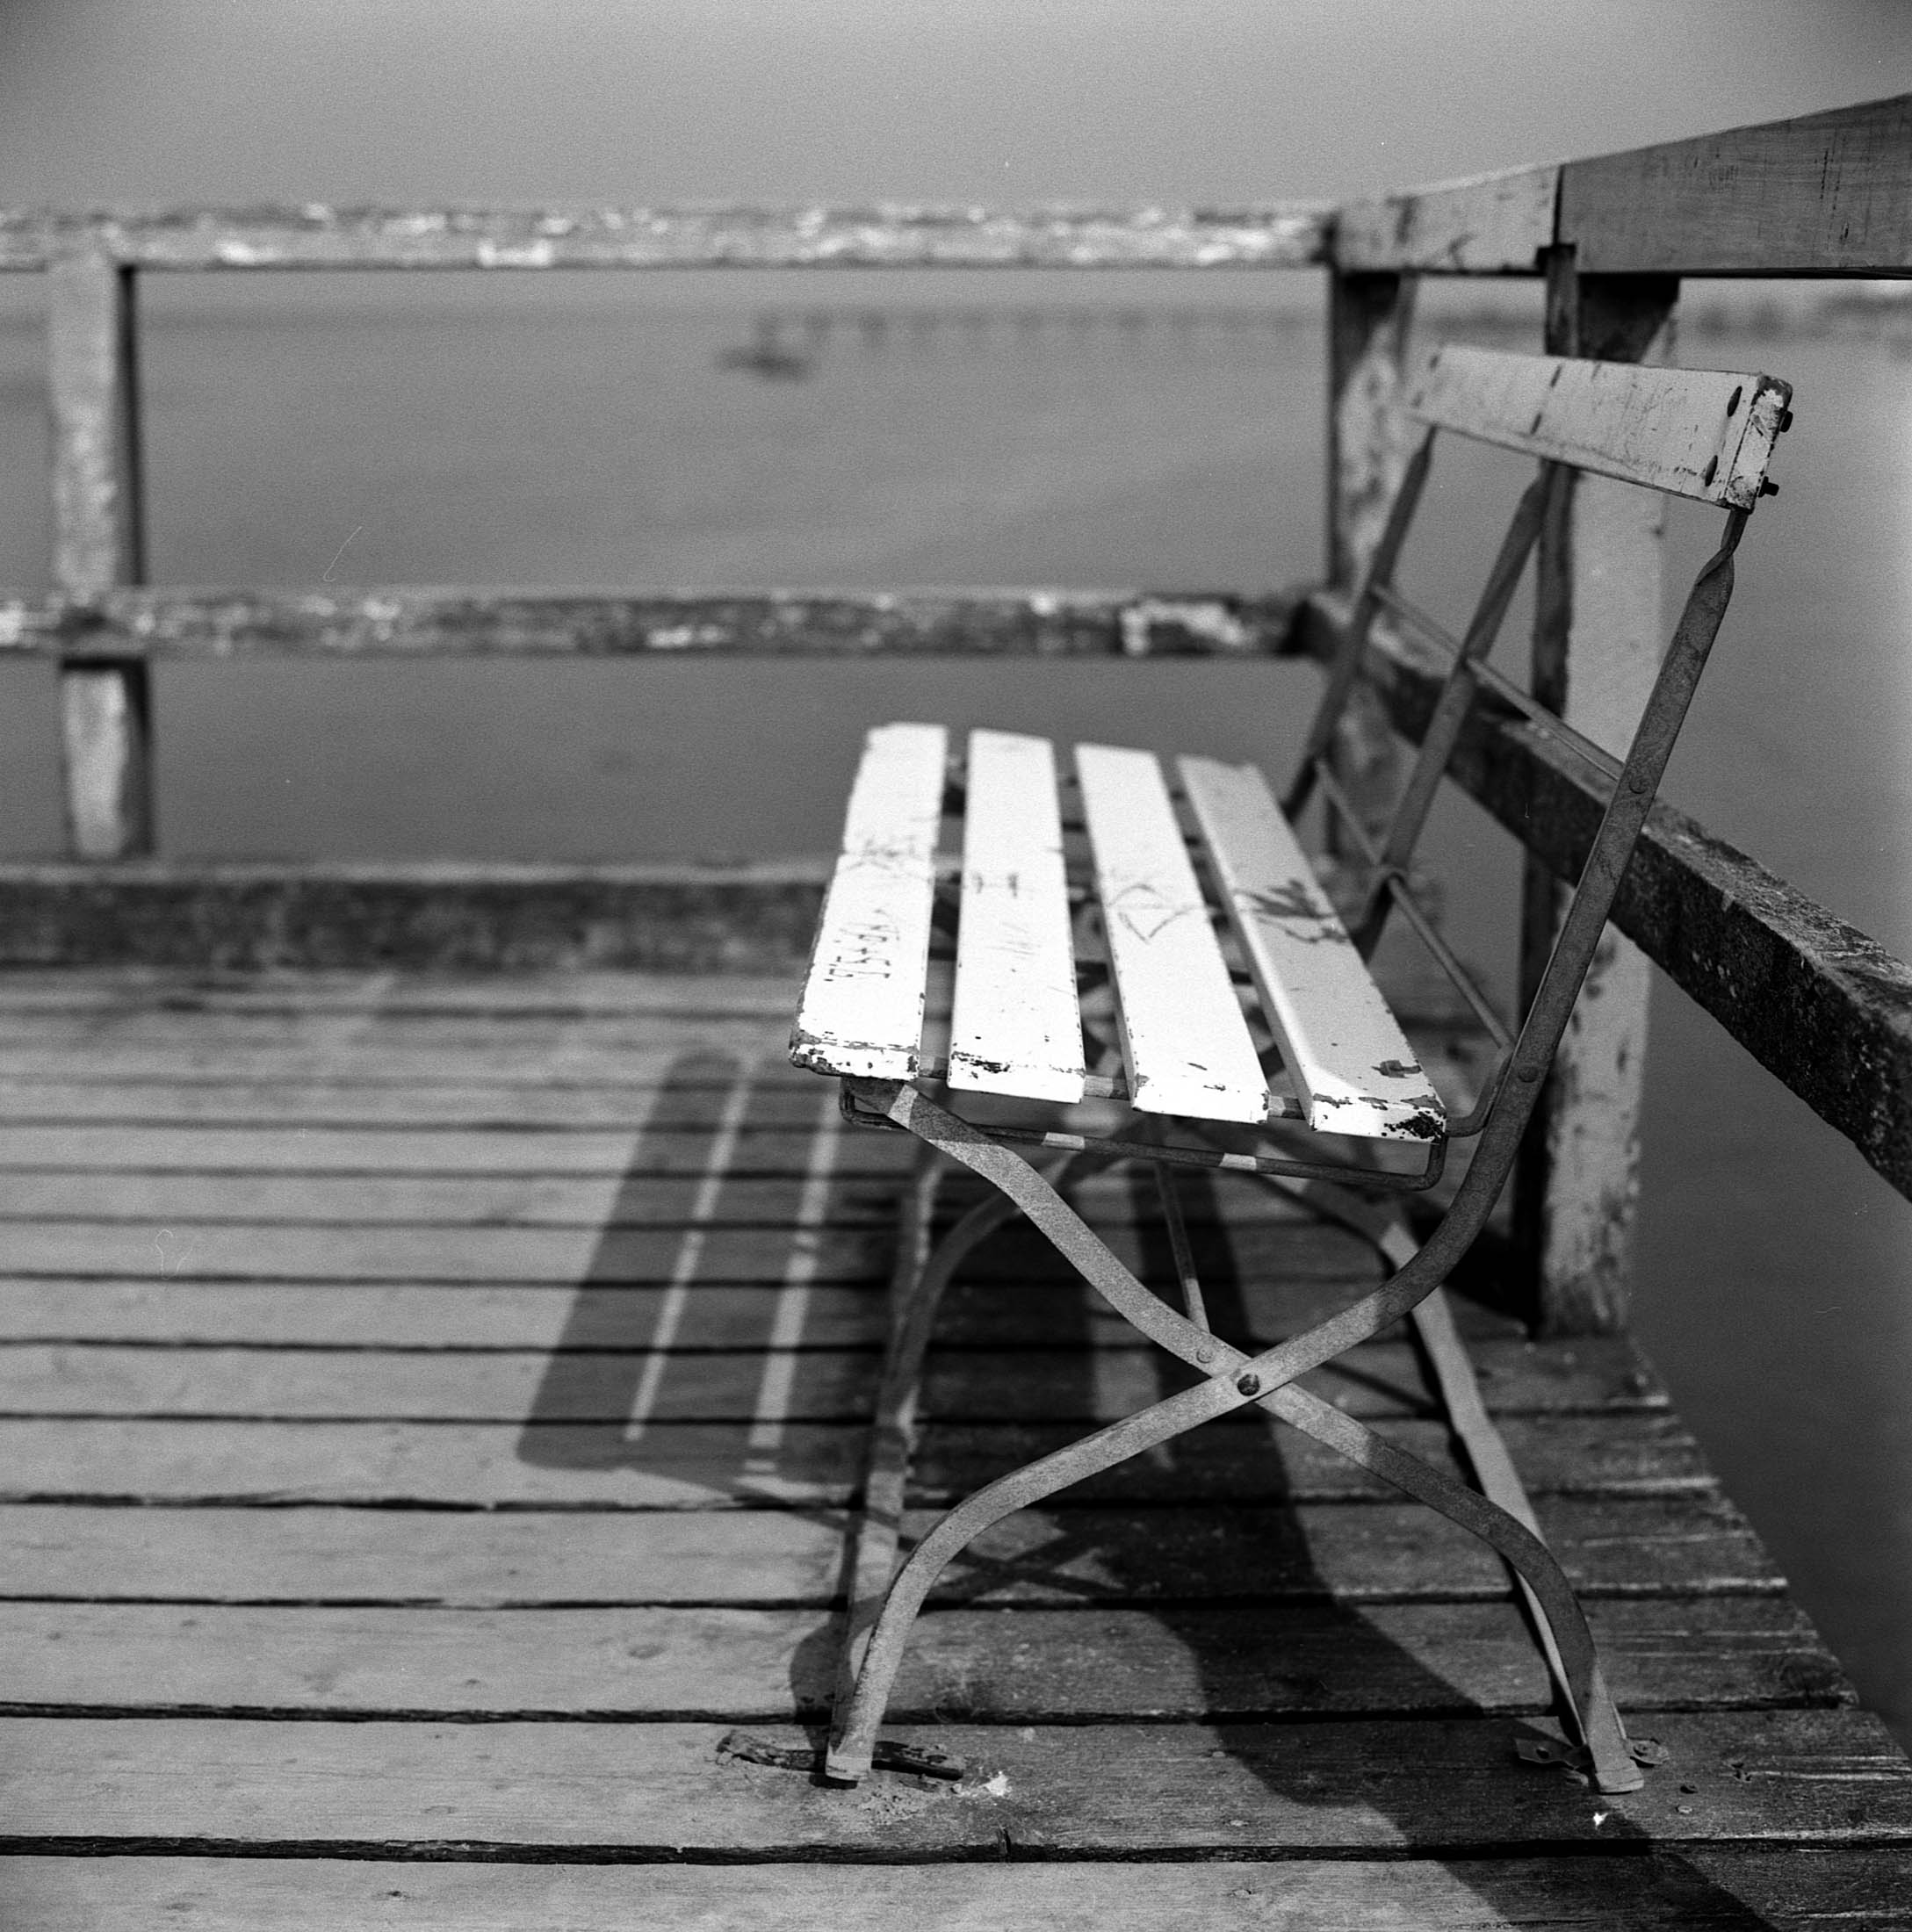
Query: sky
(149,102)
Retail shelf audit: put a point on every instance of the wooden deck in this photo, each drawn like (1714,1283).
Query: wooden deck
(429,1408)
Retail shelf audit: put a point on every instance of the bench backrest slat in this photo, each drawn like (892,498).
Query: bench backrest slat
(1700,433)
(1187,1046)
(863,1006)
(1015,1027)
(1351,1066)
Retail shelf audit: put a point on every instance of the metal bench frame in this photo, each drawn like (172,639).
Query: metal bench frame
(1592,425)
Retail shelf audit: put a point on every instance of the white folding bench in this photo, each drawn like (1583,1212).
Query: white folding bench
(1126,933)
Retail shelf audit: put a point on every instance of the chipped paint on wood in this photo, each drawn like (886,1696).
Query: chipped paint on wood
(92,392)
(1700,433)
(1494,224)
(1276,235)
(408,621)
(1014,1025)
(1347,1056)
(861,1011)
(1593,1141)
(1599,637)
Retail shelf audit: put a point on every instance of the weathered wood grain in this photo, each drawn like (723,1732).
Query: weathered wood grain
(92,387)
(757,917)
(602,1202)
(1817,1002)
(1599,634)
(1825,194)
(996,1310)
(1014,1027)
(1184,1044)
(405,620)
(1795,1890)
(1187,1664)
(1706,434)
(1354,1551)
(891,234)
(172,1248)
(651,1790)
(552,1103)
(862,1011)
(1493,224)
(1380,1378)
(1342,1049)
(485,1465)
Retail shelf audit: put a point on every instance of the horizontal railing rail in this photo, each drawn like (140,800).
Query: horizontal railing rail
(1824,195)
(1826,1009)
(421,621)
(1816,1001)
(1281,235)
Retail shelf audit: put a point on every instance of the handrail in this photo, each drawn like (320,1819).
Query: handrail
(411,621)
(1820,195)
(1824,195)
(889,235)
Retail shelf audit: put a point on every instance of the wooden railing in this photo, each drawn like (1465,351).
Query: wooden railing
(1824,1006)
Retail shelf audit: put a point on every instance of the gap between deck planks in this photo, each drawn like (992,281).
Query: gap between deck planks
(469,1273)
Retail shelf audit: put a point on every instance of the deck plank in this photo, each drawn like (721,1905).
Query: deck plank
(500,1606)
(664,1789)
(1798,1890)
(492,1466)
(714,1662)
(1357,1553)
(1383,1378)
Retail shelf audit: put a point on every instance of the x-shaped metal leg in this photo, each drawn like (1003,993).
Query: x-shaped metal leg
(1234,1380)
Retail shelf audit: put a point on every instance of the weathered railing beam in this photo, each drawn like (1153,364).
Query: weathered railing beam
(1822,1006)
(93,390)
(1599,636)
(1822,195)
(1288,234)
(123,624)
(1498,223)
(1825,194)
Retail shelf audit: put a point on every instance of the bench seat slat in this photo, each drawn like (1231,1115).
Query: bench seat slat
(1350,1061)
(1184,1039)
(862,1004)
(1016,1028)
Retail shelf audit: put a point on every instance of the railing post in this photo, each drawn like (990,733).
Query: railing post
(1368,439)
(105,706)
(1598,635)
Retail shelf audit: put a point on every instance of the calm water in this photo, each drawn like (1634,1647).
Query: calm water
(1028,430)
